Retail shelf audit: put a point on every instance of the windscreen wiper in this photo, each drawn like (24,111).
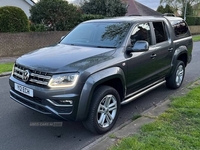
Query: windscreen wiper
(105,46)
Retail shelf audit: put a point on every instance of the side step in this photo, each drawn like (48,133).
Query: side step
(141,93)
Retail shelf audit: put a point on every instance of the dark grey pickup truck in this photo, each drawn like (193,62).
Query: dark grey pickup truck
(100,65)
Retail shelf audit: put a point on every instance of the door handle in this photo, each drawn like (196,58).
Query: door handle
(153,56)
(170,49)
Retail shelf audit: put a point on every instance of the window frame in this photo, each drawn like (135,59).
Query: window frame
(135,26)
(165,29)
(179,22)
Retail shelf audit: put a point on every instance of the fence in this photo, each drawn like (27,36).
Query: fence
(16,44)
(194,29)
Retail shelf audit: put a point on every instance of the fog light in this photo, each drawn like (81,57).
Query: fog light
(61,103)
(66,101)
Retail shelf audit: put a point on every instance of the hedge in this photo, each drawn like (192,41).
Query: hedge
(192,20)
(85,17)
(13,19)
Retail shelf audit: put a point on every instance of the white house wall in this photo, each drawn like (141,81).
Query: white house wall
(18,3)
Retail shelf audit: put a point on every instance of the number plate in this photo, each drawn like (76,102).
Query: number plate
(24,90)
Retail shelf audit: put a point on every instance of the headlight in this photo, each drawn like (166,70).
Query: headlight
(63,80)
(13,70)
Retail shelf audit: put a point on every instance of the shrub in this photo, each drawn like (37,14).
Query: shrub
(190,20)
(38,27)
(13,19)
(193,20)
(197,22)
(108,8)
(57,15)
(86,17)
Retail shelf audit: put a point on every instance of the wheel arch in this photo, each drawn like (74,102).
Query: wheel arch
(183,57)
(181,54)
(113,77)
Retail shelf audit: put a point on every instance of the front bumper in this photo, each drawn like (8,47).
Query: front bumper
(47,100)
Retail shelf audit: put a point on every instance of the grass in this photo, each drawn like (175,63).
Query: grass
(6,67)
(196,38)
(113,136)
(136,116)
(176,129)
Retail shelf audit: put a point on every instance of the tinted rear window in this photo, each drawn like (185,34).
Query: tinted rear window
(180,27)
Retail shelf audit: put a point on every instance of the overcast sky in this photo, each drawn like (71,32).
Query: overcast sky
(153,4)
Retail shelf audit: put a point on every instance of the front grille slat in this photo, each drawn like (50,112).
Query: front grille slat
(41,76)
(38,81)
(18,69)
(18,75)
(36,77)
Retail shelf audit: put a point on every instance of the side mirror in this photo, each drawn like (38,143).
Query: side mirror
(62,38)
(139,46)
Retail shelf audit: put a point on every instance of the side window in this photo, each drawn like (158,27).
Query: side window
(160,32)
(141,32)
(180,27)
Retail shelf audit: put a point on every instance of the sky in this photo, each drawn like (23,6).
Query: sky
(153,4)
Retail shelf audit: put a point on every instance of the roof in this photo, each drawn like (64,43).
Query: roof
(173,18)
(30,2)
(135,8)
(129,19)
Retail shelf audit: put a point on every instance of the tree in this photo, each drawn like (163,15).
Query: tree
(55,14)
(13,19)
(189,9)
(108,8)
(161,9)
(178,5)
(166,9)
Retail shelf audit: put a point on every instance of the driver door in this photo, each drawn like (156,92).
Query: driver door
(140,65)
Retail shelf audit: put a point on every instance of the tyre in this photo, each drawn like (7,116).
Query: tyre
(176,78)
(104,110)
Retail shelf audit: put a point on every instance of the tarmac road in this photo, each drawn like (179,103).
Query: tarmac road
(17,134)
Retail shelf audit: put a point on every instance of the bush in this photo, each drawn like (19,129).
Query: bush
(13,19)
(108,8)
(57,15)
(190,20)
(38,27)
(193,20)
(197,22)
(86,17)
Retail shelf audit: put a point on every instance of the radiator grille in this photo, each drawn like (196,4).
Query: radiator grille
(36,77)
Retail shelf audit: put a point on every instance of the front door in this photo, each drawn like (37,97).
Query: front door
(139,64)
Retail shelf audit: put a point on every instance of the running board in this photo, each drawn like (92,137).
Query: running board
(141,93)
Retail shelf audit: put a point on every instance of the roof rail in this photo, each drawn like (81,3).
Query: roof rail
(169,14)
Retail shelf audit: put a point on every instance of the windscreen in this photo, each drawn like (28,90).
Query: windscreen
(98,34)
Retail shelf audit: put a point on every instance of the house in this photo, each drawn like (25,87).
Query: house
(25,5)
(135,8)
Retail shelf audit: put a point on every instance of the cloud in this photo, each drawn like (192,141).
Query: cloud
(153,4)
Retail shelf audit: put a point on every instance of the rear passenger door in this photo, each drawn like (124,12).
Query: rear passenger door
(162,49)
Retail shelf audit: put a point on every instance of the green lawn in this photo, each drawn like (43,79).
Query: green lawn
(196,38)
(6,67)
(176,129)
